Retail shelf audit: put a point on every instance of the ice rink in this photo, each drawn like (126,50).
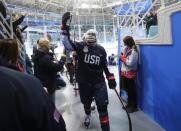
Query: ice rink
(72,110)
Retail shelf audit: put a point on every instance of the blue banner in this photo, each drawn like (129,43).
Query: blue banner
(34,22)
(133,8)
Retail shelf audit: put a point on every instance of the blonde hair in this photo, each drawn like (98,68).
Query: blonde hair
(44,43)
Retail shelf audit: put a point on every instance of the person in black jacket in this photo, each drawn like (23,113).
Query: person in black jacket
(44,67)
(16,21)
(150,20)
(29,65)
(25,105)
(92,63)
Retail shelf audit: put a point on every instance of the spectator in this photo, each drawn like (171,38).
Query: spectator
(17,20)
(129,68)
(29,65)
(35,48)
(112,59)
(150,20)
(69,66)
(44,67)
(24,103)
(9,53)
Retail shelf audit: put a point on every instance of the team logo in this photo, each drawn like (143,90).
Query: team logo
(85,49)
(92,59)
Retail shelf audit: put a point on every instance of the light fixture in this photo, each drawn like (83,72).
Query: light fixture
(76,13)
(84,5)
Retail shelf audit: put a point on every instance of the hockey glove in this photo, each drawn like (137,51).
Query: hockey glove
(66,16)
(123,58)
(111,81)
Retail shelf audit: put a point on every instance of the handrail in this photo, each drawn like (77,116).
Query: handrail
(8,27)
(2,34)
(4,28)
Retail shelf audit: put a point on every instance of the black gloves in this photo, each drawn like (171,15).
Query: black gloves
(65,18)
(64,26)
(111,81)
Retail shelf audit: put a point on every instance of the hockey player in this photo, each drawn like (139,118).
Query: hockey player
(92,63)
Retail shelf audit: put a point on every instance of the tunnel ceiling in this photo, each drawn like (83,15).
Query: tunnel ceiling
(101,10)
(79,7)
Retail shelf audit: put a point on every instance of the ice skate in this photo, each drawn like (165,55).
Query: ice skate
(93,108)
(87,121)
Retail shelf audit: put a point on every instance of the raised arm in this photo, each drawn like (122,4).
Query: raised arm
(68,44)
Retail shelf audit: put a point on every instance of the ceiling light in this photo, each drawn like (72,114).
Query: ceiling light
(114,15)
(84,5)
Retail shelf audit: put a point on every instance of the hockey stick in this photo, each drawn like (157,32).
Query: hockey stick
(129,119)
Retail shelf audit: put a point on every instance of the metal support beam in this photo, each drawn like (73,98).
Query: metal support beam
(104,29)
(162,3)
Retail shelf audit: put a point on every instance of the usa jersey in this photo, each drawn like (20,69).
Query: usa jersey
(91,61)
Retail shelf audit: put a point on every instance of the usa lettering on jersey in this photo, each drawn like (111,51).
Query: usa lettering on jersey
(92,59)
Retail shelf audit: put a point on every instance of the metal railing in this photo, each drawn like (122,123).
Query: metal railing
(6,29)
